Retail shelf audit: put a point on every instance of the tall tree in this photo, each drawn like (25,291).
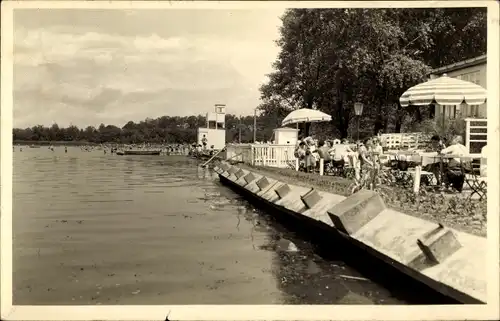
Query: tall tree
(331,58)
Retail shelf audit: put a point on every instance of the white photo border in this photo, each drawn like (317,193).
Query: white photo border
(247,312)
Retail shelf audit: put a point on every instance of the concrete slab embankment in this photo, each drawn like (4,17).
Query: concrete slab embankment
(451,262)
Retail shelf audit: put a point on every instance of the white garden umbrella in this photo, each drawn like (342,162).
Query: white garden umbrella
(444,91)
(305,115)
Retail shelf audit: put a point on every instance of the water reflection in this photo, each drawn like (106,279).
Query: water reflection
(91,228)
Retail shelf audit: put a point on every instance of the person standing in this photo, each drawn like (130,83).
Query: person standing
(204,142)
(366,162)
(377,150)
(310,158)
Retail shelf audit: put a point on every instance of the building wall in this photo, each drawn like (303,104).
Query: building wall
(216,137)
(216,120)
(286,136)
(475,74)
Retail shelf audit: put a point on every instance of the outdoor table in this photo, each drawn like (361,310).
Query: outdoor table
(407,177)
(434,157)
(406,155)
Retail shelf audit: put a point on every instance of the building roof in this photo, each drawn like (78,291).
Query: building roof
(460,65)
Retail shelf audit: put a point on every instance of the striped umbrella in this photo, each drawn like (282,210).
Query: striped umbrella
(444,91)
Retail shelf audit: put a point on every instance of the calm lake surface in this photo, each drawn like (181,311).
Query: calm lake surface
(95,228)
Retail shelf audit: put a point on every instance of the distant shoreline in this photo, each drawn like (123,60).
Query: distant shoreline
(58,143)
(75,143)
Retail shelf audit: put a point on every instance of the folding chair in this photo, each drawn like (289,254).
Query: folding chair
(477,183)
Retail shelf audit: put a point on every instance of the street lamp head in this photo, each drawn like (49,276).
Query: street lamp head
(358,109)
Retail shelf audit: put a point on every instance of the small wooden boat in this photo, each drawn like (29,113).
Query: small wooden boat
(120,153)
(141,152)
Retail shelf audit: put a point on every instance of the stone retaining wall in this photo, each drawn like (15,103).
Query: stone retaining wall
(449,261)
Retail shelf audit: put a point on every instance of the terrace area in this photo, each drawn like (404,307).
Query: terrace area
(409,173)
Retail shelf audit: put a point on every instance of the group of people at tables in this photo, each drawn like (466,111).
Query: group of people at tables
(448,171)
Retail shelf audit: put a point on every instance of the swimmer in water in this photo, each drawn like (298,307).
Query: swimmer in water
(65,149)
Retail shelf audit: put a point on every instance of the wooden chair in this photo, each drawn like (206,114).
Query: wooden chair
(350,167)
(477,184)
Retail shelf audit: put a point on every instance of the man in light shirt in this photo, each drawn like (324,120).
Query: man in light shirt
(339,152)
(456,148)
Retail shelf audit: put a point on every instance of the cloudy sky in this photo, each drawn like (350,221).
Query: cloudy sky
(88,67)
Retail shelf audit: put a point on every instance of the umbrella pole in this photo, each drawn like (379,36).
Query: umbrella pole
(443,129)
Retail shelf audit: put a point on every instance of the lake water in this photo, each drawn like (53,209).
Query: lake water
(95,228)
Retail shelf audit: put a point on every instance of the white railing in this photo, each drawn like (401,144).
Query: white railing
(262,154)
(273,155)
(404,140)
(239,153)
(476,134)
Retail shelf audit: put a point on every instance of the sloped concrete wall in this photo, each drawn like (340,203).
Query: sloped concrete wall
(451,262)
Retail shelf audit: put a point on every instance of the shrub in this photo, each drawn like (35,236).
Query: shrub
(452,127)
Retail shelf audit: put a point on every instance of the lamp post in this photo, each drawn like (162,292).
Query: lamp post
(358,110)
(239,132)
(254,125)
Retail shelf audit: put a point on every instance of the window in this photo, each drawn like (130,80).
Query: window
(470,76)
(220,109)
(476,80)
(474,111)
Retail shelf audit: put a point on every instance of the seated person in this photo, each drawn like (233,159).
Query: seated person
(323,151)
(436,146)
(300,153)
(339,153)
(484,165)
(454,175)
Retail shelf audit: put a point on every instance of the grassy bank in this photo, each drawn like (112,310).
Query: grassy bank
(455,211)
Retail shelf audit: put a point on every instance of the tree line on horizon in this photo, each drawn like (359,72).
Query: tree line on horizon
(165,129)
(331,58)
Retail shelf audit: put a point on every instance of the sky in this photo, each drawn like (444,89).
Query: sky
(89,66)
